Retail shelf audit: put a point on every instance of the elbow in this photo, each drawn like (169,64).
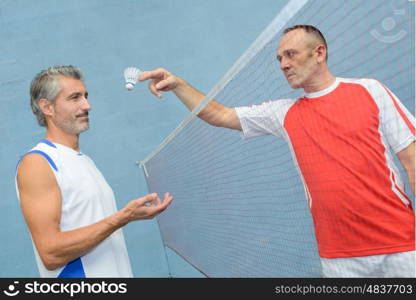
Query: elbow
(51,256)
(209,119)
(51,267)
(204,117)
(51,262)
(213,114)
(218,115)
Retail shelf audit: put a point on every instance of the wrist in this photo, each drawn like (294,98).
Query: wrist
(119,219)
(179,84)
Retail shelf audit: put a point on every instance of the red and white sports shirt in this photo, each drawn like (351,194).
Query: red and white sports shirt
(341,139)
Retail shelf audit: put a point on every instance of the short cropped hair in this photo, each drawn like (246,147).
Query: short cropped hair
(46,85)
(311,30)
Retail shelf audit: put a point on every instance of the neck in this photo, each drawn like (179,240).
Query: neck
(68,140)
(322,81)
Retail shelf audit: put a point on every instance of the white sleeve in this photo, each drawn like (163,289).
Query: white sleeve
(264,119)
(397,123)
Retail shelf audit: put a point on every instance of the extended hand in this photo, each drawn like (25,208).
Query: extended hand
(147,207)
(160,80)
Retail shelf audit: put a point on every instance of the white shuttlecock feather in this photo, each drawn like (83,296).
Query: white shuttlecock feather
(131,74)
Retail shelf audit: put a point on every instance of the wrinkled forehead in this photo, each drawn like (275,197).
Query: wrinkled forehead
(295,39)
(70,85)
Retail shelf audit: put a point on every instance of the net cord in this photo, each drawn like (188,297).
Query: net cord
(275,26)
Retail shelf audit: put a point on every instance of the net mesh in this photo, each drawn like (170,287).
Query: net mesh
(240,208)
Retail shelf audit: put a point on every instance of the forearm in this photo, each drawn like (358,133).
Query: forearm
(190,96)
(62,247)
(214,113)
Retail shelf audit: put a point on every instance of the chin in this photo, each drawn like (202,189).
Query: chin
(295,86)
(82,129)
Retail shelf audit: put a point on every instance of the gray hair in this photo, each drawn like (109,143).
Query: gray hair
(46,85)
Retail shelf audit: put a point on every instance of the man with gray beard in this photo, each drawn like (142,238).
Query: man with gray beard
(67,204)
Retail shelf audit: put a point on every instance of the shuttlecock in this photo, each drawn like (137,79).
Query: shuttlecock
(131,74)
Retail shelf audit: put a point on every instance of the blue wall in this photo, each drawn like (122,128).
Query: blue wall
(196,39)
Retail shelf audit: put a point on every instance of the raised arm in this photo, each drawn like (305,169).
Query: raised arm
(40,200)
(214,113)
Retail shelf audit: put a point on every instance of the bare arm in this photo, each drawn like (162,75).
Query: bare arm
(214,113)
(40,201)
(407,159)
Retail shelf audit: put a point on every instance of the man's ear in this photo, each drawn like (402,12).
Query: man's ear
(321,51)
(45,107)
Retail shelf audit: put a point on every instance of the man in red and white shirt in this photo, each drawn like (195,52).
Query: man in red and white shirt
(342,133)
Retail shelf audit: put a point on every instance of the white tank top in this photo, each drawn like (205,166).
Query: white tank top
(86,199)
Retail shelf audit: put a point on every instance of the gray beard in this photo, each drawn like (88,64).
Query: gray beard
(72,128)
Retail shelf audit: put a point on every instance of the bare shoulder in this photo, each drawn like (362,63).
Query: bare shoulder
(34,170)
(39,192)
(33,163)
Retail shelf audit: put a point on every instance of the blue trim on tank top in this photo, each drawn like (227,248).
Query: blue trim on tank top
(48,158)
(49,143)
(73,269)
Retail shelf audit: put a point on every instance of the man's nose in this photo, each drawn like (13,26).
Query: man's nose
(86,106)
(284,65)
